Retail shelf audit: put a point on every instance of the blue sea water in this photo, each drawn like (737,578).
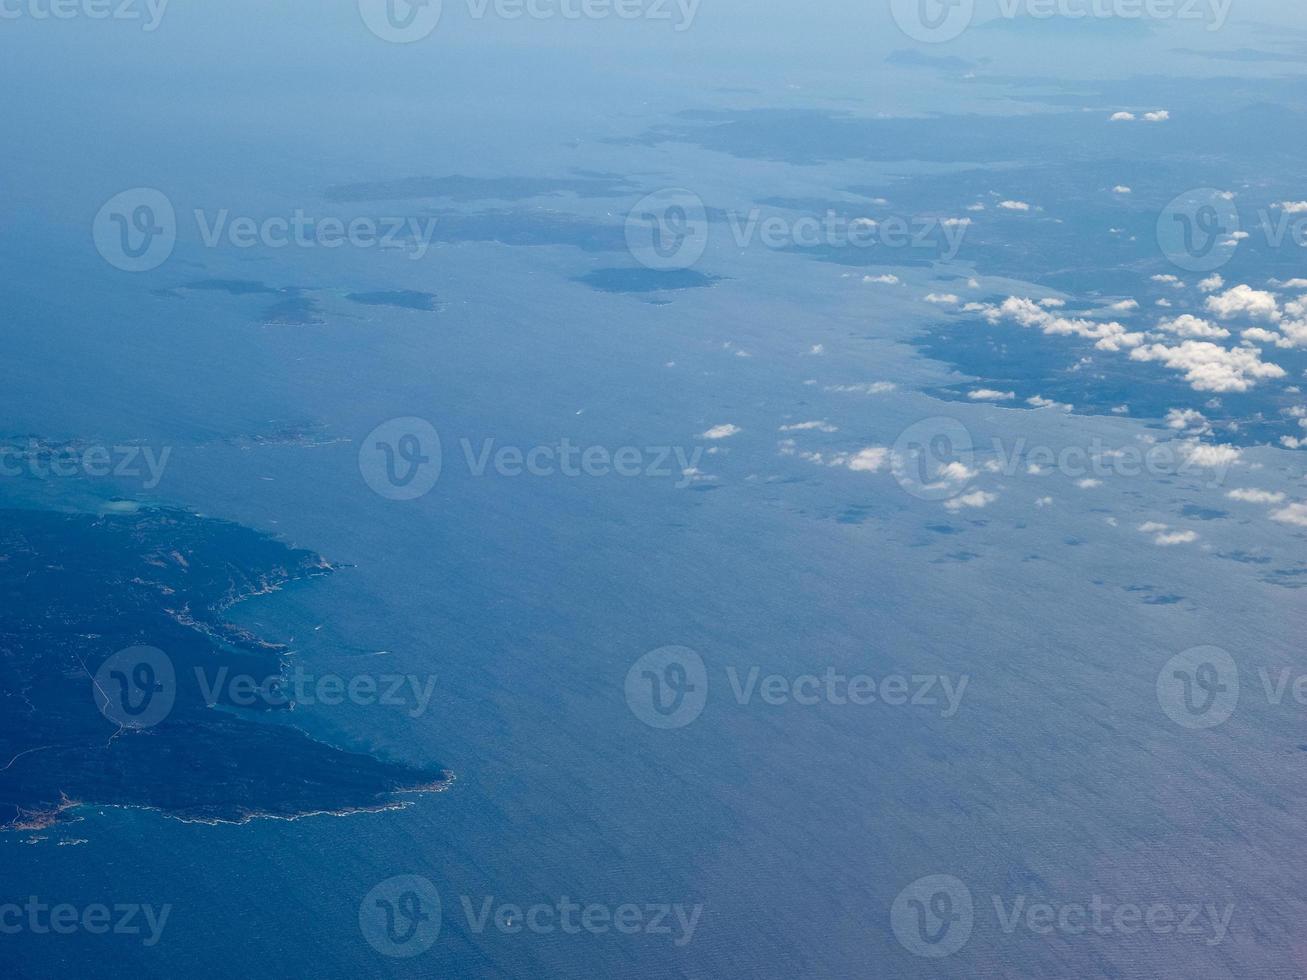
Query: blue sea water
(529,598)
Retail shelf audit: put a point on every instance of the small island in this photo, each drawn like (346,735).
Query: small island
(79,588)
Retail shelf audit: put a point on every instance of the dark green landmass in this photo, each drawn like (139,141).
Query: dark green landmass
(77,589)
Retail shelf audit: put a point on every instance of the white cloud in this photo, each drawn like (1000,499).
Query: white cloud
(1121,189)
(1188,325)
(1166,279)
(1293,207)
(1044,502)
(887,279)
(1108,336)
(1124,306)
(1212,283)
(1208,455)
(1251,496)
(1187,418)
(872,388)
(1169,539)
(1260,335)
(1295,514)
(809,427)
(1039,401)
(990,395)
(1122,117)
(976,498)
(1161,115)
(943,299)
(817,349)
(867,460)
(722,431)
(1014,205)
(1209,367)
(1088,483)
(1246,301)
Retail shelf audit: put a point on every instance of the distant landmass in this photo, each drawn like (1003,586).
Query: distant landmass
(81,588)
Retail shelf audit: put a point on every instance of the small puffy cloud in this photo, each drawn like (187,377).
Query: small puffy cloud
(1243,300)
(1039,401)
(1111,336)
(1212,283)
(887,279)
(1208,455)
(975,499)
(1124,306)
(817,349)
(1209,367)
(1044,502)
(1121,189)
(722,431)
(1014,205)
(1123,117)
(1088,483)
(1168,539)
(956,472)
(1161,115)
(1052,303)
(1295,514)
(956,222)
(868,460)
(942,299)
(1188,325)
(1252,496)
(1183,419)
(1166,279)
(1260,335)
(809,427)
(1293,207)
(990,395)
(871,388)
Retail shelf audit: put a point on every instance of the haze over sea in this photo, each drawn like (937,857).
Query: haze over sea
(789,537)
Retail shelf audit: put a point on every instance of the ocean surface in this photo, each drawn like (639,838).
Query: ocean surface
(794,828)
